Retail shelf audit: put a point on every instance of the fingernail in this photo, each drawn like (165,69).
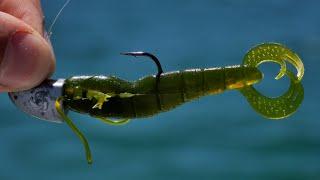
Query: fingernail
(46,36)
(20,61)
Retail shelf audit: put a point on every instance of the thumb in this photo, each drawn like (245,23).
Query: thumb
(27,56)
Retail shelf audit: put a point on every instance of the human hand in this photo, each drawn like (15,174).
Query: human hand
(26,57)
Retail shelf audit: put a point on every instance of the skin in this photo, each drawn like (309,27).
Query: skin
(26,57)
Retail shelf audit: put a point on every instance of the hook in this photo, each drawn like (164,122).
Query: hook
(151,56)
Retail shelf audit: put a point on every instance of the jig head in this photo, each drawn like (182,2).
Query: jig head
(40,101)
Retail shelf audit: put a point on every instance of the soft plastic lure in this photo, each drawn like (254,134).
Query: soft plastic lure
(105,97)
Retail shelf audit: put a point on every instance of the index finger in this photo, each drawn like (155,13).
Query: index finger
(28,11)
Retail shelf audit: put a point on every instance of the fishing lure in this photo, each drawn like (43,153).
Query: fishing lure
(105,97)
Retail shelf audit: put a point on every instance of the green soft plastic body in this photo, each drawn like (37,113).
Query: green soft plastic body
(174,88)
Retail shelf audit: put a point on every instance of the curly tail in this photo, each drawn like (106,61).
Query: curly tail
(286,104)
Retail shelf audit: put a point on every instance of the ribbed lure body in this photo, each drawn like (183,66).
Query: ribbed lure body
(147,99)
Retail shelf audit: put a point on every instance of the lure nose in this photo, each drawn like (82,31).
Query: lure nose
(40,101)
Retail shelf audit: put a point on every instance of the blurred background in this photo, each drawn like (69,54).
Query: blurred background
(216,137)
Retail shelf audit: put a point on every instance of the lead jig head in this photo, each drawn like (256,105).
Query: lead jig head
(40,101)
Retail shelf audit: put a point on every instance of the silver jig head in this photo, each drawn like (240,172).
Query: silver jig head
(40,101)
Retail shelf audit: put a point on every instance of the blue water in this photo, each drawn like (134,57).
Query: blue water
(217,137)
